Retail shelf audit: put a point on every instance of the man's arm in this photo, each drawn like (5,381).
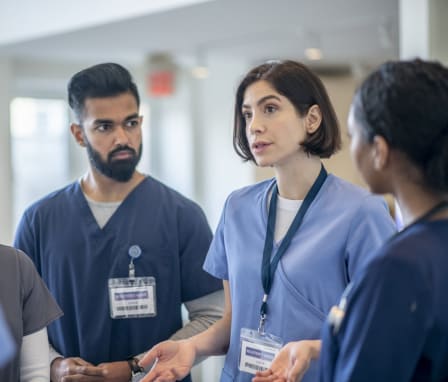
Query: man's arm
(74,366)
(203,312)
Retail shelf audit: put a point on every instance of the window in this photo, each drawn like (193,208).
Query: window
(39,150)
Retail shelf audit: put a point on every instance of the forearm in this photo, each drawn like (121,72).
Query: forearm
(215,340)
(202,313)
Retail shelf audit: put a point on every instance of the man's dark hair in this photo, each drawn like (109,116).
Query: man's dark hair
(303,89)
(406,103)
(99,81)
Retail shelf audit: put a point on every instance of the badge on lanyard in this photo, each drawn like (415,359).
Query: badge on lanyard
(132,297)
(257,350)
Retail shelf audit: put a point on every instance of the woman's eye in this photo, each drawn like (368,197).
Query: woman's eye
(247,115)
(270,108)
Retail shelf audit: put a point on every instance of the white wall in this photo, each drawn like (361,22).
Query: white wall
(5,152)
(28,19)
(221,169)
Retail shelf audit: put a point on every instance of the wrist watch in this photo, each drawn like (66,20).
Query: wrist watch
(137,372)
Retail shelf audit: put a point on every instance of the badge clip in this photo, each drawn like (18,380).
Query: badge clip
(134,252)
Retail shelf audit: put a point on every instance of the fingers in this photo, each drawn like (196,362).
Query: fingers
(81,378)
(77,369)
(80,366)
(265,373)
(157,376)
(80,361)
(263,376)
(151,376)
(89,370)
(149,358)
(298,370)
(267,376)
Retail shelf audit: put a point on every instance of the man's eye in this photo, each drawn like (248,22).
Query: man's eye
(132,123)
(103,127)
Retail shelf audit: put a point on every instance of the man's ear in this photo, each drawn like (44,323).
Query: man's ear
(380,152)
(78,134)
(313,119)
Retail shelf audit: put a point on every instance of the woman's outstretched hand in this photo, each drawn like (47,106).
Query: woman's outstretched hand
(291,363)
(172,361)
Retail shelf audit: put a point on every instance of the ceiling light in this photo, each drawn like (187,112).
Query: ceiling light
(313,54)
(200,72)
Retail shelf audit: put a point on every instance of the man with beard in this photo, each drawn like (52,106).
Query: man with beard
(119,250)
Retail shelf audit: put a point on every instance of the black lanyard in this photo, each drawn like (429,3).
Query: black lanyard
(438,207)
(269,267)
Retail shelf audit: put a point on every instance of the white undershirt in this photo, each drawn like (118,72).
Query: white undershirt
(34,357)
(286,212)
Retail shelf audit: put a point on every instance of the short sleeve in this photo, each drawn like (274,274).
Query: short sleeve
(194,241)
(25,239)
(371,226)
(216,261)
(39,307)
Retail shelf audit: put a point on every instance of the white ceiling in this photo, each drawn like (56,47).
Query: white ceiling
(349,32)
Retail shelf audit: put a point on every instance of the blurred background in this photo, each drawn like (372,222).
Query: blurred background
(187,57)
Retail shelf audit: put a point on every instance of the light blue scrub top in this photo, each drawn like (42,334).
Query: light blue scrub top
(339,234)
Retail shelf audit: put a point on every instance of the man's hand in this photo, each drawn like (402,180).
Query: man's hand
(291,362)
(75,369)
(116,371)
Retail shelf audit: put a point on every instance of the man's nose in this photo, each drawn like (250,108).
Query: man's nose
(121,135)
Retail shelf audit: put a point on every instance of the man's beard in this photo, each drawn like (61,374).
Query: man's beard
(120,170)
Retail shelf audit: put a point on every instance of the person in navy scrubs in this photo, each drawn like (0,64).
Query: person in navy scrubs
(392,322)
(119,250)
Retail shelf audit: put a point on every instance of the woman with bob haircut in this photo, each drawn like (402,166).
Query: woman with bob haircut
(286,247)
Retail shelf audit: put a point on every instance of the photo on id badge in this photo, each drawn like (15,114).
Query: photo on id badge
(257,350)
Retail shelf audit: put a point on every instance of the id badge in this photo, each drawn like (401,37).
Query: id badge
(132,297)
(257,350)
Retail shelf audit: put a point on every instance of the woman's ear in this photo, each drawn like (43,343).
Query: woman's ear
(380,152)
(313,119)
(78,134)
